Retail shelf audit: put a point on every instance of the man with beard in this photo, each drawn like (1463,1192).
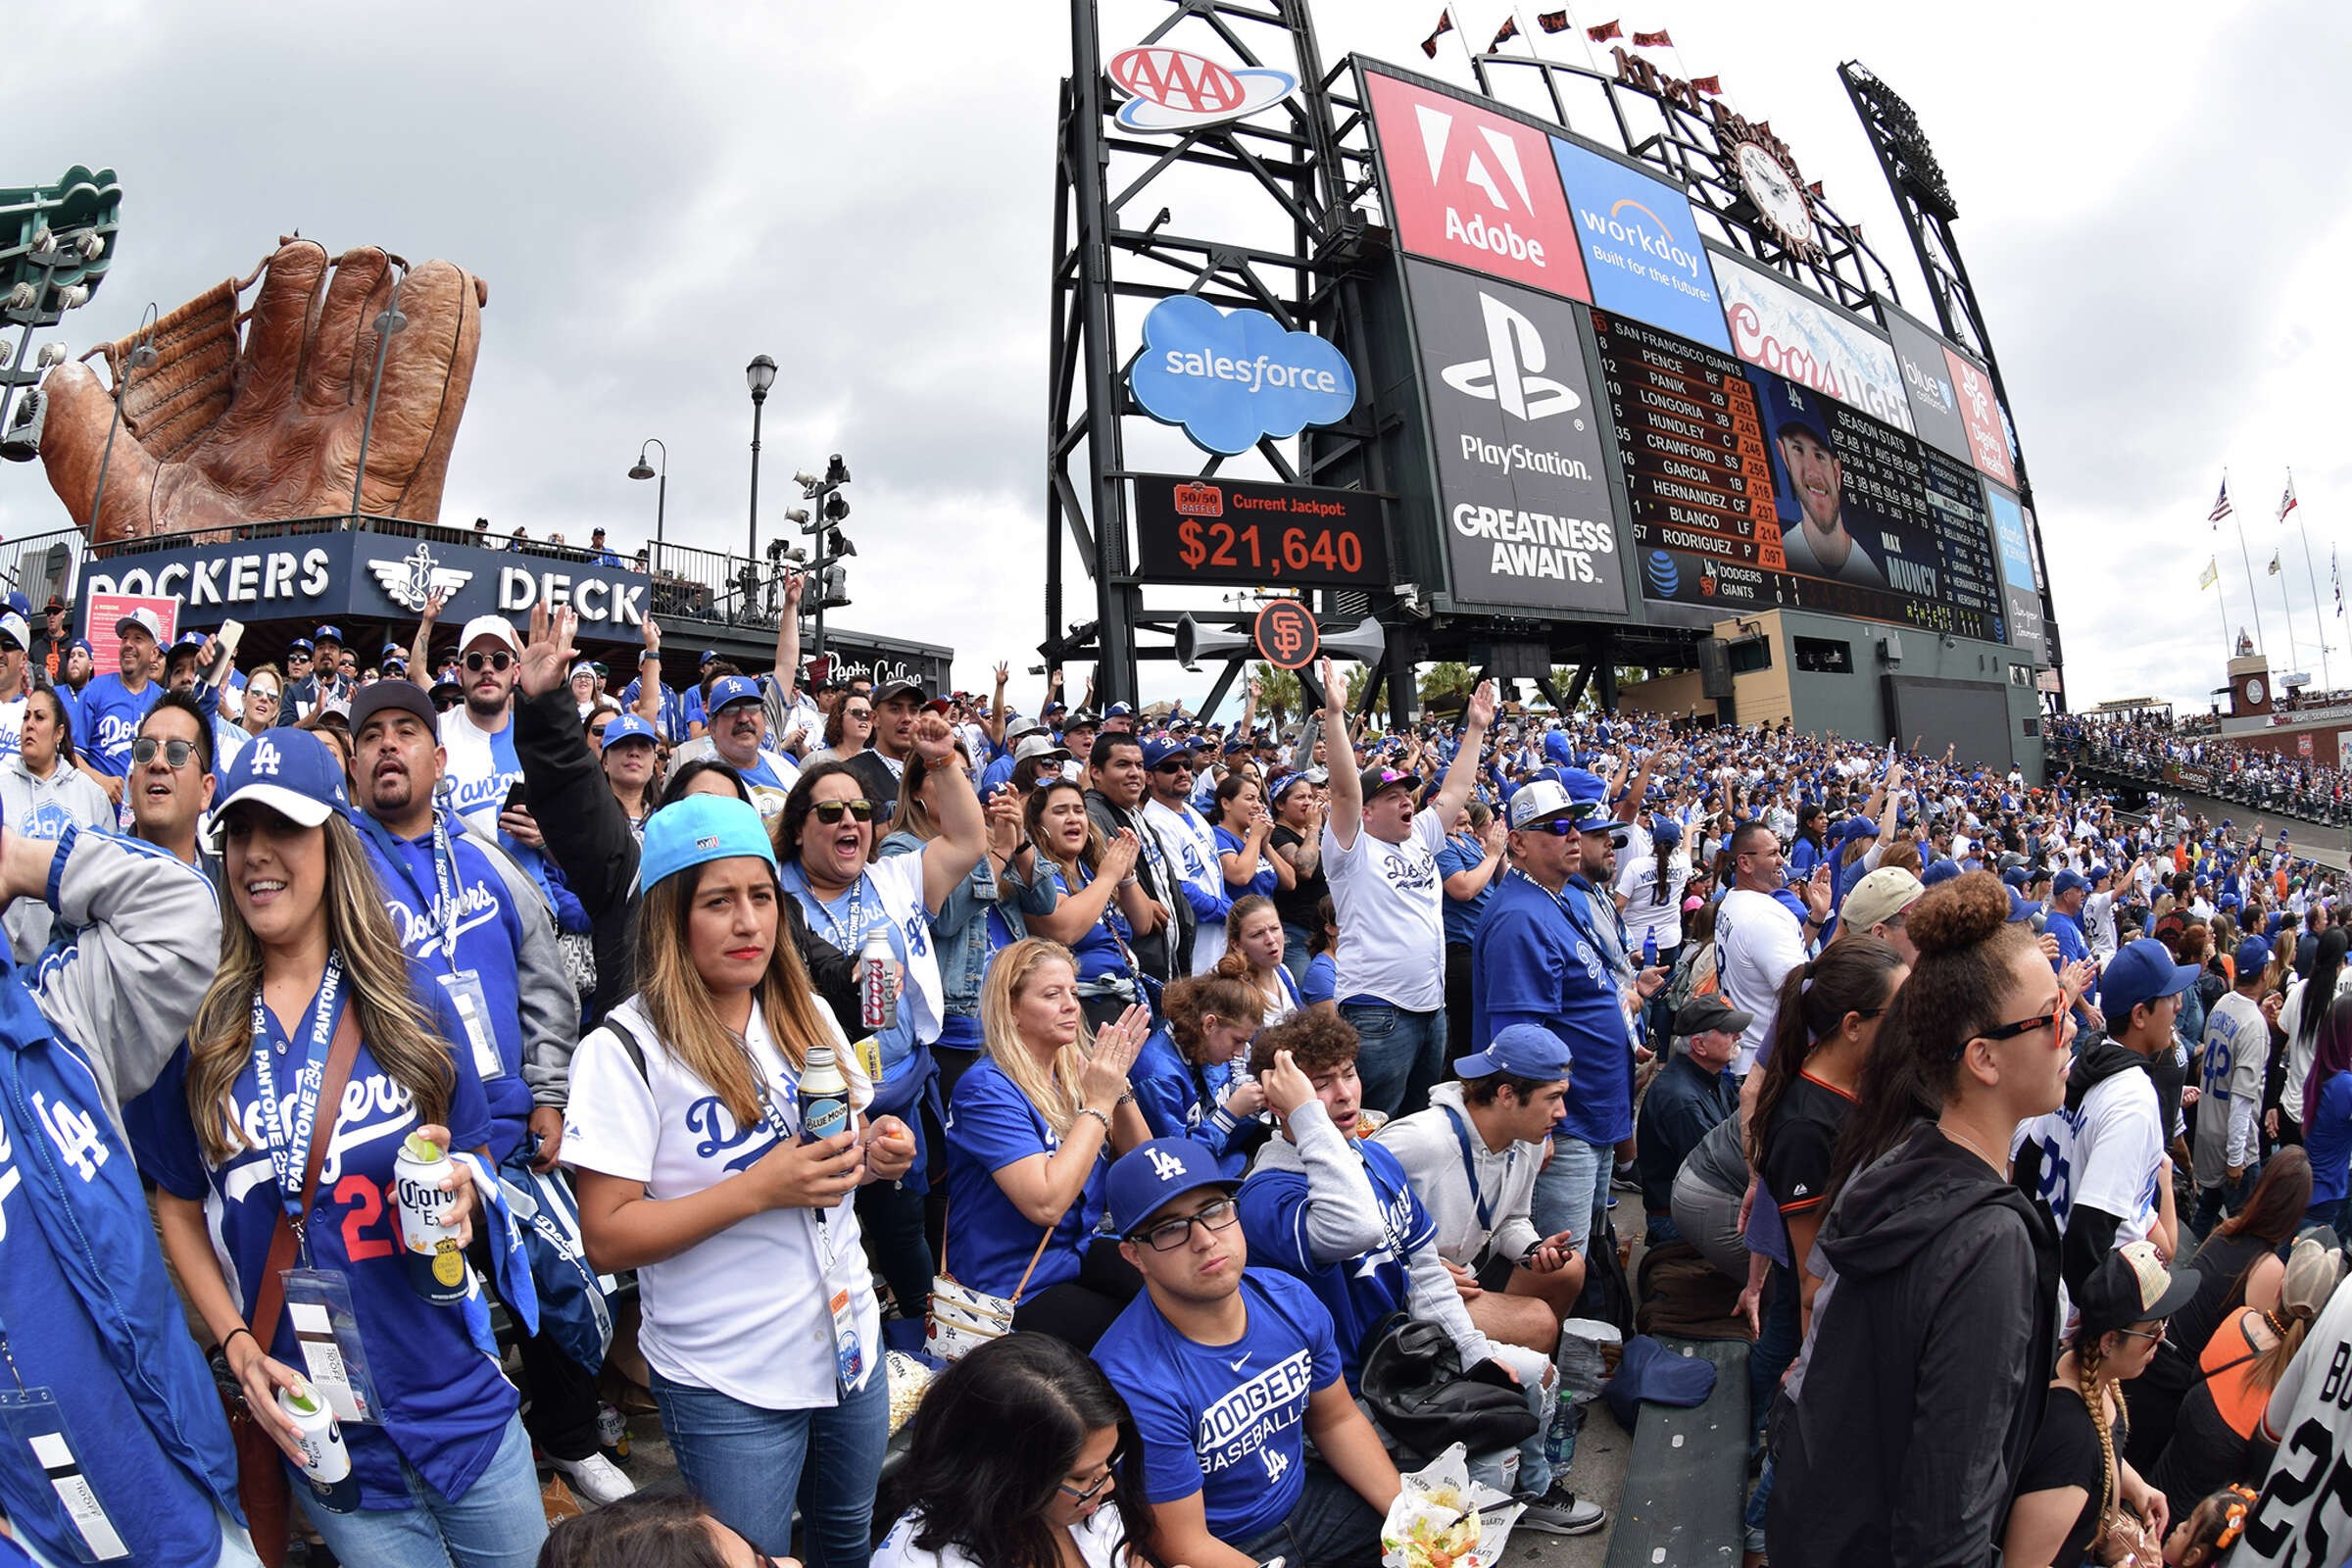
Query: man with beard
(737,736)
(113,705)
(171,780)
(474,920)
(476,737)
(319,680)
(878,769)
(1191,845)
(1114,800)
(77,672)
(181,668)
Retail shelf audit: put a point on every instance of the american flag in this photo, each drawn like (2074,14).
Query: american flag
(2221,504)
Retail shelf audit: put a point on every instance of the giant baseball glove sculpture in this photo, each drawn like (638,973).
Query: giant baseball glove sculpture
(220,431)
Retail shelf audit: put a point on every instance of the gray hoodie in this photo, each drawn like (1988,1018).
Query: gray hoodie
(42,809)
(1426,1146)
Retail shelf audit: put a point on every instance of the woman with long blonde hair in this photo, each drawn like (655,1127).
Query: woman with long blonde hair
(262,1140)
(1030,1139)
(694,1168)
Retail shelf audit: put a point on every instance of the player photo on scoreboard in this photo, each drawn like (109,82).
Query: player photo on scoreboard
(1846,488)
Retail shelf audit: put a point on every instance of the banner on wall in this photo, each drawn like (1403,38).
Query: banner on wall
(1803,338)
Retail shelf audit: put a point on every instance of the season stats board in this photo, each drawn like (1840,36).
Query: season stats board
(1748,490)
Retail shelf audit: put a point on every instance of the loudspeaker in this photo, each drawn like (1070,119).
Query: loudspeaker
(1714,668)
(1364,642)
(23,441)
(1194,645)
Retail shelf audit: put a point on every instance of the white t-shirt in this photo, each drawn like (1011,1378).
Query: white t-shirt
(2104,1154)
(2299,1051)
(1097,1539)
(769,778)
(482,769)
(12,728)
(1390,903)
(745,1311)
(1192,844)
(1637,881)
(1757,942)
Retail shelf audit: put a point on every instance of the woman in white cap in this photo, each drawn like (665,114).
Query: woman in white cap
(696,1169)
(262,1159)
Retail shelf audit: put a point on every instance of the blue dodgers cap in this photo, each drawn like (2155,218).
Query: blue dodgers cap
(20,602)
(731,689)
(1522,1049)
(2143,971)
(2252,954)
(299,644)
(289,770)
(1590,795)
(1118,710)
(699,828)
(629,727)
(326,634)
(82,643)
(1162,747)
(1155,1173)
(2017,877)
(708,654)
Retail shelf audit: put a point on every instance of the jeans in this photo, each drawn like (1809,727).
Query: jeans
(891,1217)
(749,1466)
(1535,1470)
(1401,1056)
(1330,1528)
(1294,954)
(2210,1200)
(2329,1214)
(498,1524)
(1572,1192)
(1708,1218)
(1776,1348)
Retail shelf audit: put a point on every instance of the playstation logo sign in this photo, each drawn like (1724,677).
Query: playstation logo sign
(1507,375)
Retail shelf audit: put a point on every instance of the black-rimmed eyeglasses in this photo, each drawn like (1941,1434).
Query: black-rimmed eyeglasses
(1169,1235)
(1088,1495)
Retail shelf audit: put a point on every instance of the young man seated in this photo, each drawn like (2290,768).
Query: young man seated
(1228,1371)
(1472,1159)
(1340,1215)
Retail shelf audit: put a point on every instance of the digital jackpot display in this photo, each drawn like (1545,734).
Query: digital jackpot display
(1749,490)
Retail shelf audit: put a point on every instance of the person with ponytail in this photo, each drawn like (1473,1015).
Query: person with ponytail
(1253,955)
(2328,1118)
(2076,1493)
(2307,1003)
(1183,1078)
(1924,1382)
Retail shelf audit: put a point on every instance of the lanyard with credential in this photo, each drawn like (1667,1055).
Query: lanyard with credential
(445,889)
(1461,1137)
(854,926)
(291,1149)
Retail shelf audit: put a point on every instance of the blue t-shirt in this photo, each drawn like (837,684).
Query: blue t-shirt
(672,722)
(444,1403)
(1226,1421)
(490,937)
(991,1125)
(1322,982)
(77,716)
(1358,1291)
(1180,1100)
(110,721)
(1463,852)
(1097,951)
(1533,964)
(845,923)
(2330,1141)
(1262,882)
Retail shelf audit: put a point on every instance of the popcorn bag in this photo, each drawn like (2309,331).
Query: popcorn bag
(1443,1519)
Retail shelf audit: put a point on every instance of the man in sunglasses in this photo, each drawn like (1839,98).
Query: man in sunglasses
(1757,938)
(15,680)
(1191,846)
(738,737)
(1228,1371)
(171,780)
(478,734)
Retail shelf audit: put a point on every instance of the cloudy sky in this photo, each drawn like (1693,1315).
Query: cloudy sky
(2154,209)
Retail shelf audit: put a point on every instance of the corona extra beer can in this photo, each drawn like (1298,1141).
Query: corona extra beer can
(325,1461)
(429,1248)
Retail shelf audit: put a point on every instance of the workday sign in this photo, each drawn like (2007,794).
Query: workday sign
(1641,248)
(1229,380)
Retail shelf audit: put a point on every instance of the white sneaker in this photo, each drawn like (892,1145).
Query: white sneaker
(597,1479)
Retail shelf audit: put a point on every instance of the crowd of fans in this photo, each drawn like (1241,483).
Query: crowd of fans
(2259,776)
(1207,1121)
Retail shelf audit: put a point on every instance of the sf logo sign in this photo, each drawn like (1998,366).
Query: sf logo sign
(1285,635)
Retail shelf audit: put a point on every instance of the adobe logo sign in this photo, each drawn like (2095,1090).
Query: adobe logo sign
(1468,186)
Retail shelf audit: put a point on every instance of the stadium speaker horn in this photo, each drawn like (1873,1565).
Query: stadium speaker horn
(1714,668)
(1194,644)
(1364,642)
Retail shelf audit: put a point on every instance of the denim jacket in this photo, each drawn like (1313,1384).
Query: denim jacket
(961,925)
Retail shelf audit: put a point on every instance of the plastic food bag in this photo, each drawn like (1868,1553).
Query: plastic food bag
(908,1379)
(1443,1519)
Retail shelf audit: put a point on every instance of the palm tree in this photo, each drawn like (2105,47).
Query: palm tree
(1448,680)
(1278,692)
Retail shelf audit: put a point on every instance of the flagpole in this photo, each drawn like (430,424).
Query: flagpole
(1468,59)
(2262,639)
(2220,602)
(2312,577)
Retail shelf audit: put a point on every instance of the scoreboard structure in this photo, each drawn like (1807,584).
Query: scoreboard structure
(1629,388)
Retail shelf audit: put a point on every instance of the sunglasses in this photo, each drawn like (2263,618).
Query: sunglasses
(1169,1235)
(2026,1026)
(829,811)
(1173,767)
(858,713)
(175,753)
(2157,1333)
(497,659)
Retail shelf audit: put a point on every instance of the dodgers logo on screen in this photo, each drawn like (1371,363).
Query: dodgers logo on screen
(1641,246)
(1229,380)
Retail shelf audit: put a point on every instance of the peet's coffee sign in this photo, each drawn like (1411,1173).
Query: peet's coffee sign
(366,576)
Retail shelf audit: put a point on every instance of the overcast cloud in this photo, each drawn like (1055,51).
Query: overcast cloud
(2153,207)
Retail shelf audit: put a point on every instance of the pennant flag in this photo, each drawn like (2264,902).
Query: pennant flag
(2287,504)
(2221,504)
(1552,20)
(1504,34)
(1661,39)
(2273,564)
(1712,87)
(1605,32)
(2337,578)
(1814,190)
(2210,575)
(1429,45)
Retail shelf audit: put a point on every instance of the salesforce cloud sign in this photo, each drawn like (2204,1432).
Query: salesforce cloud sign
(1229,380)
(1641,244)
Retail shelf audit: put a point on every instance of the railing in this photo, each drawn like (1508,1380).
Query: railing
(2217,779)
